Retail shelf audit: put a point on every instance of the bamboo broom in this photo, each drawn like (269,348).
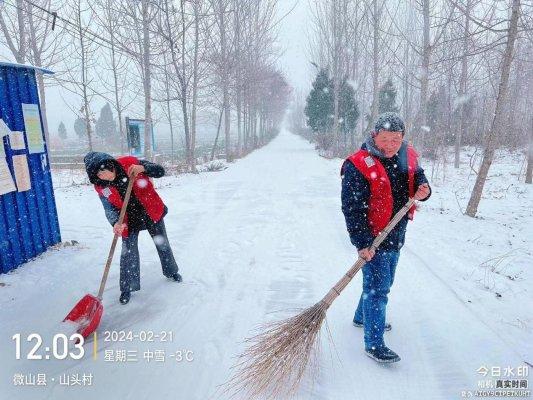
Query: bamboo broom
(274,363)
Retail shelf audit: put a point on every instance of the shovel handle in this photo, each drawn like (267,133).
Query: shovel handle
(115,238)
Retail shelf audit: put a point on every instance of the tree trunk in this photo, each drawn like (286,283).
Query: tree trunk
(20,52)
(463,87)
(375,67)
(225,83)
(21,56)
(495,129)
(529,168)
(114,67)
(406,90)
(188,142)
(172,150)
(245,122)
(239,117)
(218,133)
(87,117)
(424,79)
(238,77)
(37,60)
(336,61)
(194,87)
(227,138)
(169,114)
(511,134)
(84,82)
(42,98)
(147,84)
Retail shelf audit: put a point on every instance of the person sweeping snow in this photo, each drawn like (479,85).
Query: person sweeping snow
(377,181)
(145,211)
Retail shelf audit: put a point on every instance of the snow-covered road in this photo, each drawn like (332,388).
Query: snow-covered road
(265,235)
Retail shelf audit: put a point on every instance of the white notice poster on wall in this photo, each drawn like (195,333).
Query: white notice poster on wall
(22,173)
(32,122)
(2,149)
(16,140)
(6,180)
(4,129)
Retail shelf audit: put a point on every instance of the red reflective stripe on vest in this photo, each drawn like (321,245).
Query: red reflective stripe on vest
(381,202)
(143,189)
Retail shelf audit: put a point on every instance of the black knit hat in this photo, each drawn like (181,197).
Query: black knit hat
(389,121)
(97,161)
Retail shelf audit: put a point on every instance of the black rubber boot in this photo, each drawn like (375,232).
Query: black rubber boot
(176,277)
(125,297)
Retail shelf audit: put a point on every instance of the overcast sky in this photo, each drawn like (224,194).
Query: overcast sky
(293,62)
(293,41)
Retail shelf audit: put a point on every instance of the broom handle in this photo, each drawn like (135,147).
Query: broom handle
(339,287)
(115,238)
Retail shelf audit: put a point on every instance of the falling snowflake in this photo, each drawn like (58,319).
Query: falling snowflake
(142,183)
(461,100)
(159,240)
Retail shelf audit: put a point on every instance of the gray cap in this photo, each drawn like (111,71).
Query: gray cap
(389,121)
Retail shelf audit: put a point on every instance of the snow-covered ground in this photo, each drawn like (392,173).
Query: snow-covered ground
(267,235)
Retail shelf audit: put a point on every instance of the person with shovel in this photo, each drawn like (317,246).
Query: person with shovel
(145,211)
(377,181)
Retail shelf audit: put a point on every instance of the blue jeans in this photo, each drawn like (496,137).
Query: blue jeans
(378,276)
(129,259)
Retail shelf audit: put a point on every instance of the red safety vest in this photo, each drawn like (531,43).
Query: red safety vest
(143,189)
(381,202)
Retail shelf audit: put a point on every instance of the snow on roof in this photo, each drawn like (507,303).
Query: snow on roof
(15,65)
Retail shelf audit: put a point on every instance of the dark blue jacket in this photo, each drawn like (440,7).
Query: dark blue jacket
(356,196)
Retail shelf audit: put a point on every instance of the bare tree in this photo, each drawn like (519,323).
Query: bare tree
(13,24)
(222,8)
(117,64)
(78,77)
(27,32)
(183,32)
(463,86)
(529,168)
(496,125)
(138,39)
(376,19)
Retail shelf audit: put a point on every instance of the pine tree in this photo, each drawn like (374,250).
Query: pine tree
(62,131)
(80,128)
(349,112)
(105,127)
(319,111)
(436,110)
(319,105)
(387,98)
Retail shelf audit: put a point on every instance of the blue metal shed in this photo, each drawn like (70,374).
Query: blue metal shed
(28,218)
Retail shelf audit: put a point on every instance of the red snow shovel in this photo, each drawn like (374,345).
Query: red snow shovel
(88,312)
